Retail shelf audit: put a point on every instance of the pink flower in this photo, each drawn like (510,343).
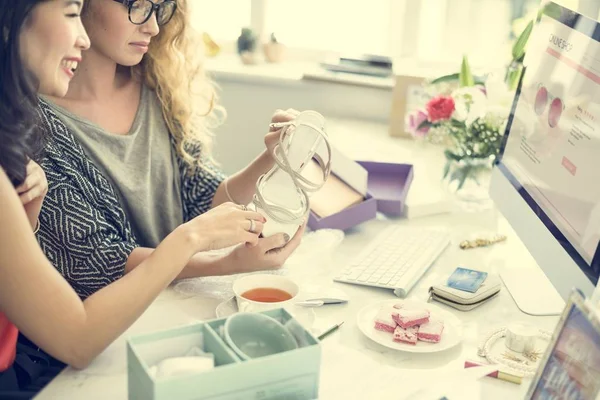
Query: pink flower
(414,120)
(440,108)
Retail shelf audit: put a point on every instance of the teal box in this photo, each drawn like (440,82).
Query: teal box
(292,375)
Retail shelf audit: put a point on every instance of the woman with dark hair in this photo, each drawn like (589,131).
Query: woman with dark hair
(42,45)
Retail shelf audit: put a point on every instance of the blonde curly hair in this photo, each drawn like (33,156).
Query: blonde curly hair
(173,68)
(189,99)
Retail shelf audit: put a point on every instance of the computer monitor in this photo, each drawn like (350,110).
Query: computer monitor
(546,181)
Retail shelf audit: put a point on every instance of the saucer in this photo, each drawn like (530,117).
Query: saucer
(226,308)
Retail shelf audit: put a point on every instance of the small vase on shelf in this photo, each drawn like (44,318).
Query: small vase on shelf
(274,51)
(246,46)
(211,48)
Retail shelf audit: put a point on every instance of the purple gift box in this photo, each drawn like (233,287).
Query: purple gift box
(387,188)
(389,184)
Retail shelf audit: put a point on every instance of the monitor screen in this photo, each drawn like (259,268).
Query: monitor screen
(551,153)
(572,365)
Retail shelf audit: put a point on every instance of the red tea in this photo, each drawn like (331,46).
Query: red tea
(267,295)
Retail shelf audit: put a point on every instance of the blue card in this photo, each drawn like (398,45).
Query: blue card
(466,279)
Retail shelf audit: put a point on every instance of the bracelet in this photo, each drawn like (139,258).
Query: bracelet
(526,364)
(227,191)
(37,226)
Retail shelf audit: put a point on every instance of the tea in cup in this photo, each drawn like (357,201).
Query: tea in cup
(261,292)
(267,295)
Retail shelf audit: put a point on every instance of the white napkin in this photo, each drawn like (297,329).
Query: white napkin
(193,362)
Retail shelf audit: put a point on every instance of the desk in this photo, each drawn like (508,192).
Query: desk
(353,367)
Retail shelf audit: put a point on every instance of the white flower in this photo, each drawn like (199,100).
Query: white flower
(499,97)
(470,104)
(475,102)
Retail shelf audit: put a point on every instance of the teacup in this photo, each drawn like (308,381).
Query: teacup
(252,335)
(262,292)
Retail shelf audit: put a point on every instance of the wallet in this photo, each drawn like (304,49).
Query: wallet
(465,301)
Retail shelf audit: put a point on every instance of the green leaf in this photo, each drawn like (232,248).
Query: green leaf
(461,174)
(425,124)
(451,156)
(466,76)
(463,179)
(551,9)
(479,80)
(518,50)
(445,78)
(513,75)
(447,169)
(457,175)
(458,124)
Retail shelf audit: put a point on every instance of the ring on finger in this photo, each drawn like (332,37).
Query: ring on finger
(251,230)
(279,125)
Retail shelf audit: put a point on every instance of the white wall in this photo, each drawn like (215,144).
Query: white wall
(250,102)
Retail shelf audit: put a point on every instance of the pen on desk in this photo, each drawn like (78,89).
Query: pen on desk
(505,376)
(330,331)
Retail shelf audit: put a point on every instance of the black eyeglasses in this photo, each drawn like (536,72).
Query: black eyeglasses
(140,11)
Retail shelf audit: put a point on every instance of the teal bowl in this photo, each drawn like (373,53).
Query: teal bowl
(253,335)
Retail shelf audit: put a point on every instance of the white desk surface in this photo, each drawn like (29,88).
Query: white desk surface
(352,367)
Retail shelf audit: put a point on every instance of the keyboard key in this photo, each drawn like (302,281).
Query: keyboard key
(384,280)
(355,274)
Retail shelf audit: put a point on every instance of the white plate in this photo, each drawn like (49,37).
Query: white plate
(451,336)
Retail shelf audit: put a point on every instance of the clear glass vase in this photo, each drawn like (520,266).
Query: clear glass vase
(469,181)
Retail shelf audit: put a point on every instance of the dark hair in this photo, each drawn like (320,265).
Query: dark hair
(20,127)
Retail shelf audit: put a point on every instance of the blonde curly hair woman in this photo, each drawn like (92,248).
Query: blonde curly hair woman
(129,157)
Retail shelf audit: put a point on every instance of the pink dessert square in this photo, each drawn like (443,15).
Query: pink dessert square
(431,331)
(384,321)
(406,317)
(408,335)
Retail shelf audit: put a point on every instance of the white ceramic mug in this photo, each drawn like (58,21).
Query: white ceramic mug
(249,282)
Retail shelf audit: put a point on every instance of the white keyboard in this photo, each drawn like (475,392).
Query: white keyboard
(396,259)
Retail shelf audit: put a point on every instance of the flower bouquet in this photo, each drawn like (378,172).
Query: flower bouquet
(467,117)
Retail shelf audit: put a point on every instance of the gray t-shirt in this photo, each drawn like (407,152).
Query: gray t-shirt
(141,165)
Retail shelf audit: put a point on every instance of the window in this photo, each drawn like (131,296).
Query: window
(222,19)
(430,31)
(450,28)
(483,29)
(334,25)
